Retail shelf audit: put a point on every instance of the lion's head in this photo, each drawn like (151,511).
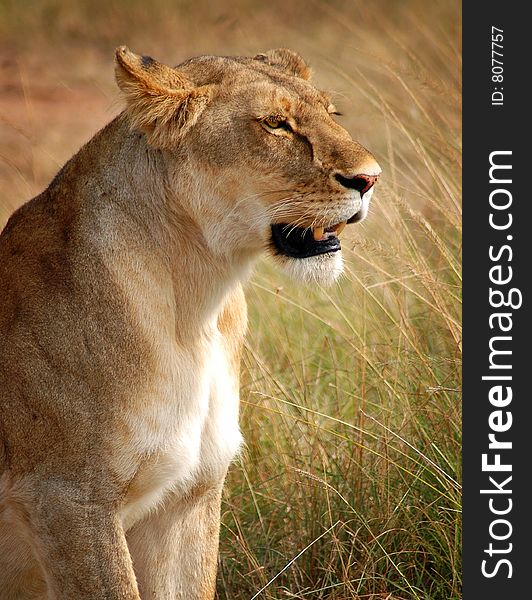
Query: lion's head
(255,154)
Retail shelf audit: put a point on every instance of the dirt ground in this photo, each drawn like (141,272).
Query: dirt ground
(44,118)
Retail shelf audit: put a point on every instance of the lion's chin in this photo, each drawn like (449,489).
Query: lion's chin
(323,269)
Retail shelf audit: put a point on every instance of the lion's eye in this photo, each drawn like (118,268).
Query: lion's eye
(272,123)
(276,123)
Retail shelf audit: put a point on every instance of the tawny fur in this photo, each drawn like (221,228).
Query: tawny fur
(122,318)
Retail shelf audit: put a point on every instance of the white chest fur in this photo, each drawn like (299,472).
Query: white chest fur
(186,433)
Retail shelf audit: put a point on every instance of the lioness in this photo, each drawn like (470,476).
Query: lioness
(122,318)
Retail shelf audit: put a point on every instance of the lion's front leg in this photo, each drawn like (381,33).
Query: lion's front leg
(80,545)
(175,548)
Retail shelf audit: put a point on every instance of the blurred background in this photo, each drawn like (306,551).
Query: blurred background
(349,484)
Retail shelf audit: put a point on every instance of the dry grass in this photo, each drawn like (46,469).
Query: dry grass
(351,395)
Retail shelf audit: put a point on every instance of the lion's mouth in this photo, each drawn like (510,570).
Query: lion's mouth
(299,242)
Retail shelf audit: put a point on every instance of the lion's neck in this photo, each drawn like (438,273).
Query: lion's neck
(156,248)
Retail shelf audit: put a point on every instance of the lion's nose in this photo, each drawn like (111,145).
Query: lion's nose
(361,182)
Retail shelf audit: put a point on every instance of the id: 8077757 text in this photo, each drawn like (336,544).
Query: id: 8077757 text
(497,66)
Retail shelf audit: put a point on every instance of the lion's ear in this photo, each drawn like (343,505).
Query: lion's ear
(160,101)
(286,60)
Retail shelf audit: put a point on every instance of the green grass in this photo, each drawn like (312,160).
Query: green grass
(349,484)
(351,395)
(351,413)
